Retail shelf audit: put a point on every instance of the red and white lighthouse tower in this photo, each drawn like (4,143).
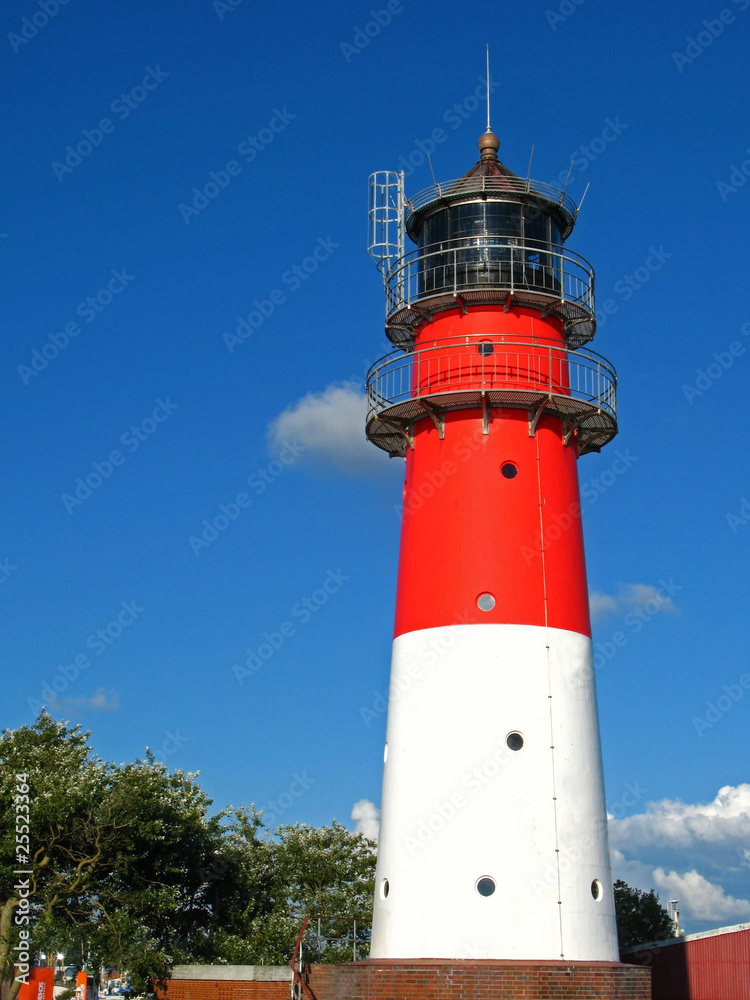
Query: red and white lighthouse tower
(493,841)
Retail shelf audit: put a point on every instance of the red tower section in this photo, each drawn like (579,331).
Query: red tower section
(487,398)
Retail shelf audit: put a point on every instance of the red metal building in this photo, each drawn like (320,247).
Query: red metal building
(714,965)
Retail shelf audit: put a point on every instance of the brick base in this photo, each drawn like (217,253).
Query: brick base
(439,979)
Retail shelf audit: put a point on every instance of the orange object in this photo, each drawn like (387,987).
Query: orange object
(39,985)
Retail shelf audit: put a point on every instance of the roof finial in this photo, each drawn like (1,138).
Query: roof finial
(489,142)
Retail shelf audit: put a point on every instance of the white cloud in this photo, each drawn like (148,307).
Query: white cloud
(330,427)
(696,853)
(103,701)
(723,822)
(703,900)
(601,604)
(367,818)
(630,596)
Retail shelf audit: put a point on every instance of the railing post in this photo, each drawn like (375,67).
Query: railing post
(562,276)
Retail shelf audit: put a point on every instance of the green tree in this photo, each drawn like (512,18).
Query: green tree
(120,856)
(130,867)
(68,830)
(640,916)
(295,871)
(327,871)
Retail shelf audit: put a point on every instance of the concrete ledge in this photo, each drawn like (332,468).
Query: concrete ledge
(234,973)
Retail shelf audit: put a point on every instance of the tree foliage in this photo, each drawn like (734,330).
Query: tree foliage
(640,916)
(129,864)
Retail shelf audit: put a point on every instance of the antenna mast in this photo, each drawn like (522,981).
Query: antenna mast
(488,89)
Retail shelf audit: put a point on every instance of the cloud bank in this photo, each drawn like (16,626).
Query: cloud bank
(697,853)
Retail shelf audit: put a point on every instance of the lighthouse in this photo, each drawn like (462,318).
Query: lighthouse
(493,838)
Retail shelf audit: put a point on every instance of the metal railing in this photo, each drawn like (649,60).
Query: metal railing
(497,184)
(300,982)
(579,386)
(533,273)
(488,365)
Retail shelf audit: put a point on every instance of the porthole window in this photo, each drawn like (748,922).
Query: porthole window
(596,889)
(509,470)
(485,348)
(485,886)
(485,602)
(514,741)
(385,888)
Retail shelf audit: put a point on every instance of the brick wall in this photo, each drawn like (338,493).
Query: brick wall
(208,989)
(488,980)
(227,982)
(428,980)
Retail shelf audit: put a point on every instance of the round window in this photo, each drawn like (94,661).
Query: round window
(514,741)
(485,886)
(485,602)
(509,470)
(596,889)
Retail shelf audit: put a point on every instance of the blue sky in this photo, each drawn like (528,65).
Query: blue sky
(125,285)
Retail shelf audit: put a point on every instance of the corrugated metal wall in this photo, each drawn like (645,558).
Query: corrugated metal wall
(710,968)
